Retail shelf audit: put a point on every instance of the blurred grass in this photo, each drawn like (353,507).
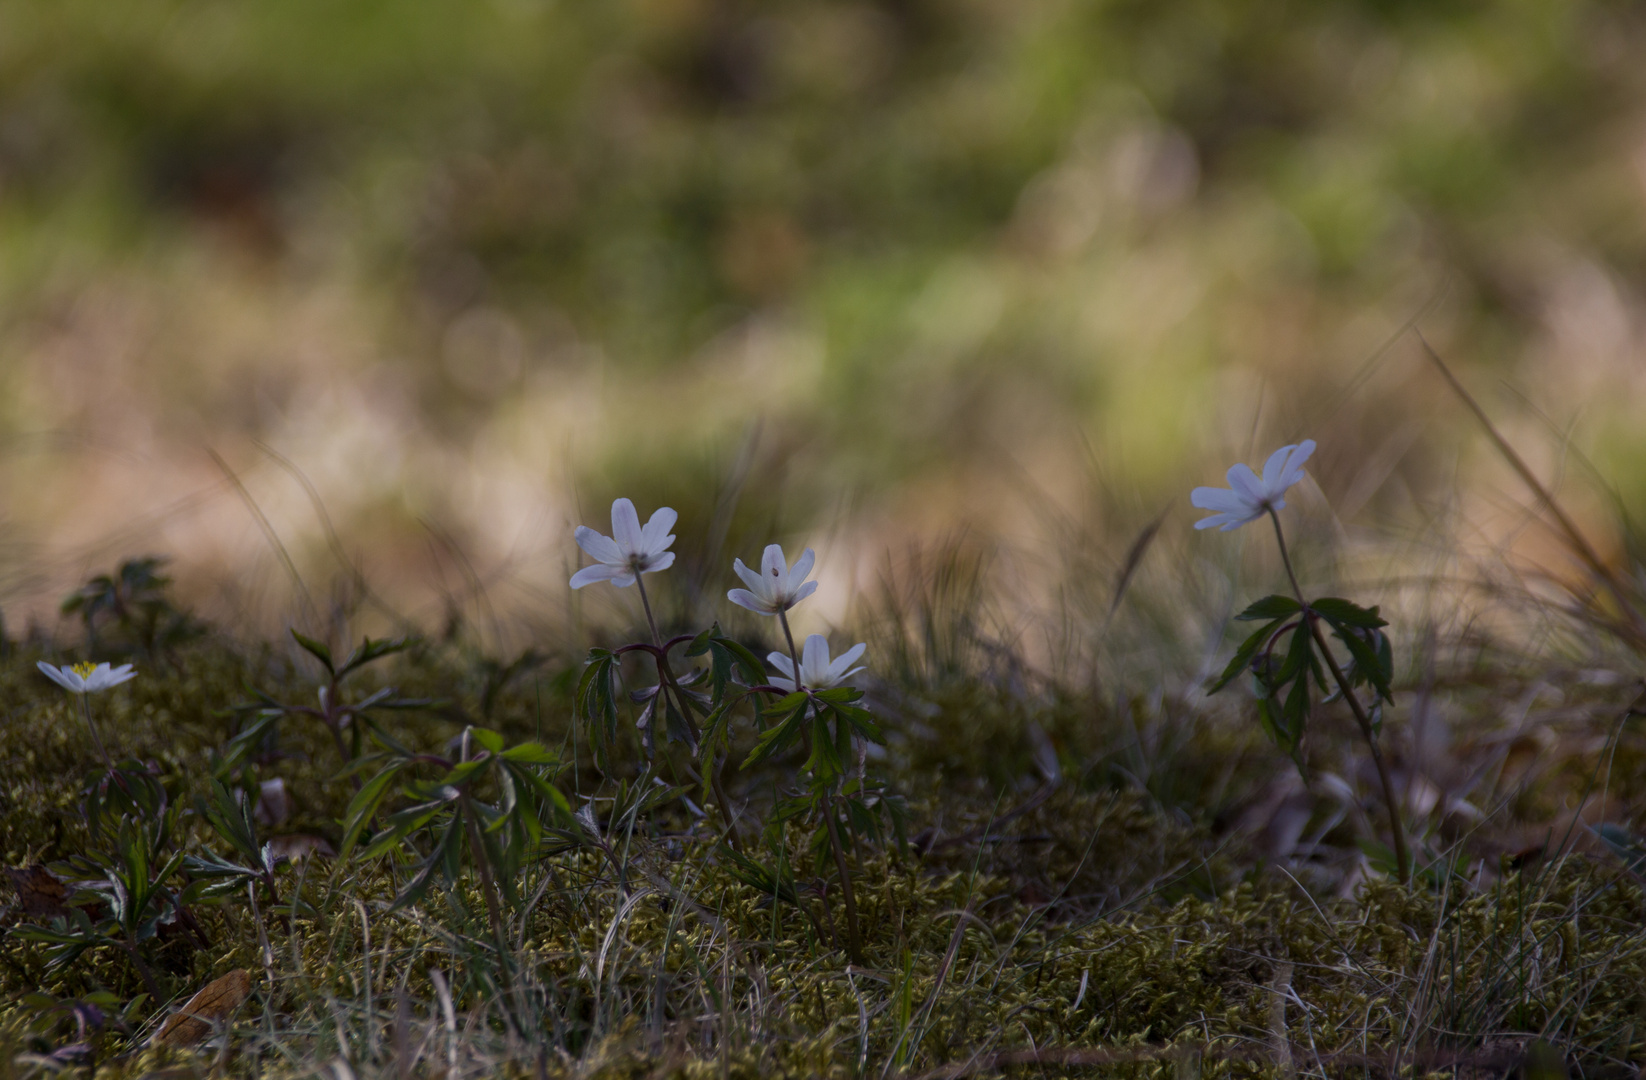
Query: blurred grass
(474,268)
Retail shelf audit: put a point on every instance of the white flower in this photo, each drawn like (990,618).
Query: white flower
(630,550)
(816,670)
(1249,496)
(86,677)
(776,588)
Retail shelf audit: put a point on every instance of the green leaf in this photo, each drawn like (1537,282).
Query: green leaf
(1368,663)
(679,729)
(442,857)
(861,720)
(596,704)
(1298,658)
(753,670)
(541,788)
(1340,612)
(783,733)
(1270,607)
(239,748)
(825,763)
(317,650)
(462,772)
(1243,657)
(531,754)
(488,739)
(364,805)
(370,650)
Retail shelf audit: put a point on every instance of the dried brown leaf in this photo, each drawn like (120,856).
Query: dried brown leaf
(39,894)
(213,1005)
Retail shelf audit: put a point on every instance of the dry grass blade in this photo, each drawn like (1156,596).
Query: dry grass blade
(1635,632)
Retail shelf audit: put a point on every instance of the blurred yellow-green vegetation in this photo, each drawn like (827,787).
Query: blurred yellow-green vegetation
(861,274)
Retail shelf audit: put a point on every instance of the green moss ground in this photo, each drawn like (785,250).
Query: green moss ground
(1097,927)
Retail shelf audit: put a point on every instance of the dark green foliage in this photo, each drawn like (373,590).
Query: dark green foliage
(128,611)
(448,812)
(1282,684)
(123,896)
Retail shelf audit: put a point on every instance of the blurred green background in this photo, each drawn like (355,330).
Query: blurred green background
(863,275)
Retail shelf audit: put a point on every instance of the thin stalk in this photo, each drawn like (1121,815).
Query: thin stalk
(854,945)
(488,887)
(1574,536)
(640,583)
(794,657)
(97,740)
(665,675)
(794,654)
(1403,859)
(144,973)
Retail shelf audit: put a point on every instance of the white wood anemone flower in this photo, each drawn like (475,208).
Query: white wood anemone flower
(1249,496)
(630,550)
(777,587)
(86,677)
(817,671)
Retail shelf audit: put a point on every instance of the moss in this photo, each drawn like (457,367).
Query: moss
(1092,918)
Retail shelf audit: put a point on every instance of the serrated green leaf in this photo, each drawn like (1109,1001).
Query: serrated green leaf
(1368,664)
(1243,657)
(1340,612)
(488,739)
(364,805)
(316,649)
(369,650)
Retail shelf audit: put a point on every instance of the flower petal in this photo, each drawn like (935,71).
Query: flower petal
(801,594)
(623,578)
(63,677)
(105,677)
(1294,464)
(626,526)
(1246,483)
(750,578)
(1210,498)
(743,598)
(655,536)
(801,570)
(774,568)
(781,662)
(1275,468)
(591,574)
(837,670)
(598,545)
(657,562)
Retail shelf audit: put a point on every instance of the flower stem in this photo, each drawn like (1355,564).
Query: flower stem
(640,583)
(85,701)
(665,676)
(1403,859)
(794,654)
(156,995)
(853,942)
(1286,558)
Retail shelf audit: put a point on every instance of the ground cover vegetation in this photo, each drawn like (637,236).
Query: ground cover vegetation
(820,272)
(670,858)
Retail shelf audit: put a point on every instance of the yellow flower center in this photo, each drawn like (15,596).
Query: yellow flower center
(84,669)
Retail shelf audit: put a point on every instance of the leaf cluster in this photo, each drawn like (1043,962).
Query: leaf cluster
(449,810)
(1286,652)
